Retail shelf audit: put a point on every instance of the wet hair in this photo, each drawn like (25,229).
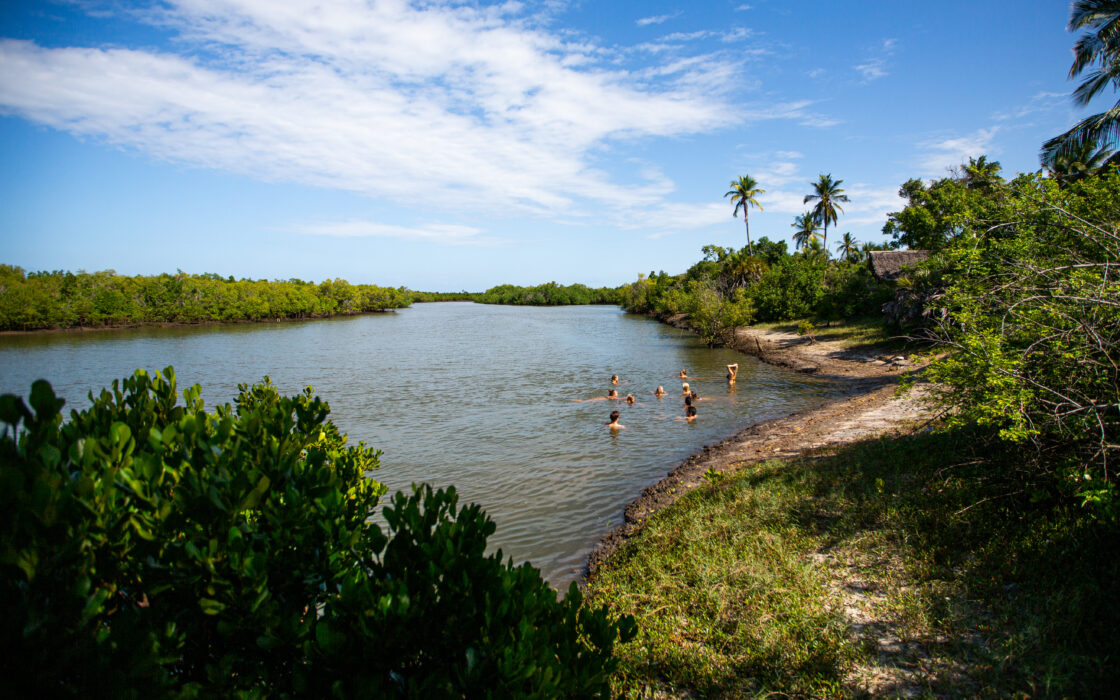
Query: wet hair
(614,377)
(688,401)
(629,398)
(690,411)
(693,395)
(615,415)
(612,394)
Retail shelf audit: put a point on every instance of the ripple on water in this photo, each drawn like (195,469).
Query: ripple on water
(481,397)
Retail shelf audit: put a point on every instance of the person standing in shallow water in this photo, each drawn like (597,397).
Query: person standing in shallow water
(614,425)
(732,373)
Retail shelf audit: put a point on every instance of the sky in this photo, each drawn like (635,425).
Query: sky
(447,146)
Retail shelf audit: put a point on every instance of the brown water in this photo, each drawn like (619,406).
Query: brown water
(482,397)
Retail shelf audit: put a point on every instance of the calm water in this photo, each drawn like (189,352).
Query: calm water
(482,397)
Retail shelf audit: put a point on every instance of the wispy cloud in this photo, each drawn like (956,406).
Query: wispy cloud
(1041,102)
(656,19)
(444,234)
(942,154)
(391,100)
(876,66)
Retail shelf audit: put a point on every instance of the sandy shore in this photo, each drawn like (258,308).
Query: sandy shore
(869,408)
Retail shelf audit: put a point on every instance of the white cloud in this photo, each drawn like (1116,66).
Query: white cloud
(873,69)
(467,106)
(675,217)
(941,155)
(445,234)
(876,66)
(657,19)
(742,8)
(1041,102)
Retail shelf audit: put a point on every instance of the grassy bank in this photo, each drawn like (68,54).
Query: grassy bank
(916,564)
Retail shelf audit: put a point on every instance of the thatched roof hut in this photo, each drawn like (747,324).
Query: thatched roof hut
(887,264)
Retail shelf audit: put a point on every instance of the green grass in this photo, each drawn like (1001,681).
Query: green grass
(993,588)
(854,332)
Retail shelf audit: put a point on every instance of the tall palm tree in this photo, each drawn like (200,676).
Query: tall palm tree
(827,193)
(1079,162)
(1097,52)
(848,248)
(743,195)
(807,232)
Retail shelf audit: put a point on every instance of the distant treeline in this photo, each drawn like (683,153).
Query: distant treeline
(39,300)
(549,294)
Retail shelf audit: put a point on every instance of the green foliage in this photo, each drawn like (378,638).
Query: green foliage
(936,214)
(548,294)
(150,548)
(1032,312)
(62,299)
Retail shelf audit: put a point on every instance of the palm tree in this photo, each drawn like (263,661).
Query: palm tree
(743,193)
(827,193)
(1080,161)
(1097,52)
(807,230)
(848,248)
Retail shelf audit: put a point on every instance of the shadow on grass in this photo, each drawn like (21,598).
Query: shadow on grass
(1038,575)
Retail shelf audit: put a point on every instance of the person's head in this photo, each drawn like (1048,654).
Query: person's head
(684,387)
(690,411)
(660,391)
(612,394)
(687,400)
(614,416)
(614,379)
(693,395)
(630,398)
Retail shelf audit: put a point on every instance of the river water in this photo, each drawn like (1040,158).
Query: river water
(482,397)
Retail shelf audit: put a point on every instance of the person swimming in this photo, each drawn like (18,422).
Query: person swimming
(694,396)
(732,372)
(612,395)
(683,374)
(614,379)
(614,424)
(690,414)
(630,399)
(684,389)
(660,392)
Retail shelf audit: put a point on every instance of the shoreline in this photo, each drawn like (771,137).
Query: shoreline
(181,324)
(868,408)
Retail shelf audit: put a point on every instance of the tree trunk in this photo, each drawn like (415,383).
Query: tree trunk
(747,223)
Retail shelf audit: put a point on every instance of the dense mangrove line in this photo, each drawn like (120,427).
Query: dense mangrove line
(59,299)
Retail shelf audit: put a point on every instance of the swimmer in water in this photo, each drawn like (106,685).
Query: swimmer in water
(614,425)
(683,374)
(614,379)
(630,399)
(660,392)
(612,395)
(694,396)
(690,414)
(732,373)
(684,389)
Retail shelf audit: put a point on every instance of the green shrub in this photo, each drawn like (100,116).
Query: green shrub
(150,548)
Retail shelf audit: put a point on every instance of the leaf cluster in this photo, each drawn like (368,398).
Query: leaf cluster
(150,548)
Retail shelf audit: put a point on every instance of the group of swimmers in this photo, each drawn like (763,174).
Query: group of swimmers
(690,396)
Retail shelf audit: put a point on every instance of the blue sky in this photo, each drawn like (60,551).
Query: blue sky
(459,145)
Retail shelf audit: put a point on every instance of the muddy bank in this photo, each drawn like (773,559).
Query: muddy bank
(870,408)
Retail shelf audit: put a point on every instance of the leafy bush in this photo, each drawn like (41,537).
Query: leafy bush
(151,548)
(1032,307)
